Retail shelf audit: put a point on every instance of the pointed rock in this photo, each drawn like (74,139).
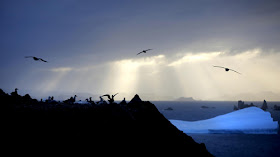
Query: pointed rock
(135,99)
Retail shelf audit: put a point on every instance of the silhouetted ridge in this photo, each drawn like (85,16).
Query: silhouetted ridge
(123,102)
(135,99)
(132,129)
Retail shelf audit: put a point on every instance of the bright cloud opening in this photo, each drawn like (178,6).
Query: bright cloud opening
(191,75)
(61,69)
(190,57)
(127,76)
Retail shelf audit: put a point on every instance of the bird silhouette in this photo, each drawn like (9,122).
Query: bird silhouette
(15,93)
(36,58)
(111,99)
(144,51)
(71,100)
(226,69)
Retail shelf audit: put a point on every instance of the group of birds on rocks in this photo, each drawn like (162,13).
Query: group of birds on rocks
(144,51)
(111,100)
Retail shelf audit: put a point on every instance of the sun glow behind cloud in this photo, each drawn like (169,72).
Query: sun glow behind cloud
(190,57)
(189,75)
(259,75)
(55,79)
(128,75)
(195,75)
(61,69)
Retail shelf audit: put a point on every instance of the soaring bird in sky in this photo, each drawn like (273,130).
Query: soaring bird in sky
(227,69)
(36,58)
(144,51)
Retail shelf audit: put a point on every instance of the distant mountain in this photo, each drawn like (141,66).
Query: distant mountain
(185,99)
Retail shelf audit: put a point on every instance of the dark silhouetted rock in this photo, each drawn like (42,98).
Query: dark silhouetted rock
(135,99)
(123,102)
(185,99)
(242,105)
(27,97)
(2,93)
(276,107)
(136,129)
(169,109)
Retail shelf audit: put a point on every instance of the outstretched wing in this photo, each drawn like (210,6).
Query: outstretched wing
(29,56)
(144,51)
(106,95)
(235,71)
(42,60)
(115,94)
(219,66)
(139,53)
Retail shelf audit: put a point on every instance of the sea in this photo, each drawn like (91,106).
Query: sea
(224,145)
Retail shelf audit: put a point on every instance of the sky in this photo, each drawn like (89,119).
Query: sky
(91,48)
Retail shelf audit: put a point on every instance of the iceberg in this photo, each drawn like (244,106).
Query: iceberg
(251,120)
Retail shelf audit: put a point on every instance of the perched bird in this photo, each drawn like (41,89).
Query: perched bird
(71,100)
(144,51)
(15,93)
(111,99)
(227,69)
(36,58)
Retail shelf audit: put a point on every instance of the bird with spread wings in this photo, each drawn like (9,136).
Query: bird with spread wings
(36,58)
(144,51)
(226,69)
(110,99)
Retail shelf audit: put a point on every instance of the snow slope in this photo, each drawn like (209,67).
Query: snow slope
(250,120)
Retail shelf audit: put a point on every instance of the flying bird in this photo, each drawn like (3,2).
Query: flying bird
(144,51)
(36,58)
(227,69)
